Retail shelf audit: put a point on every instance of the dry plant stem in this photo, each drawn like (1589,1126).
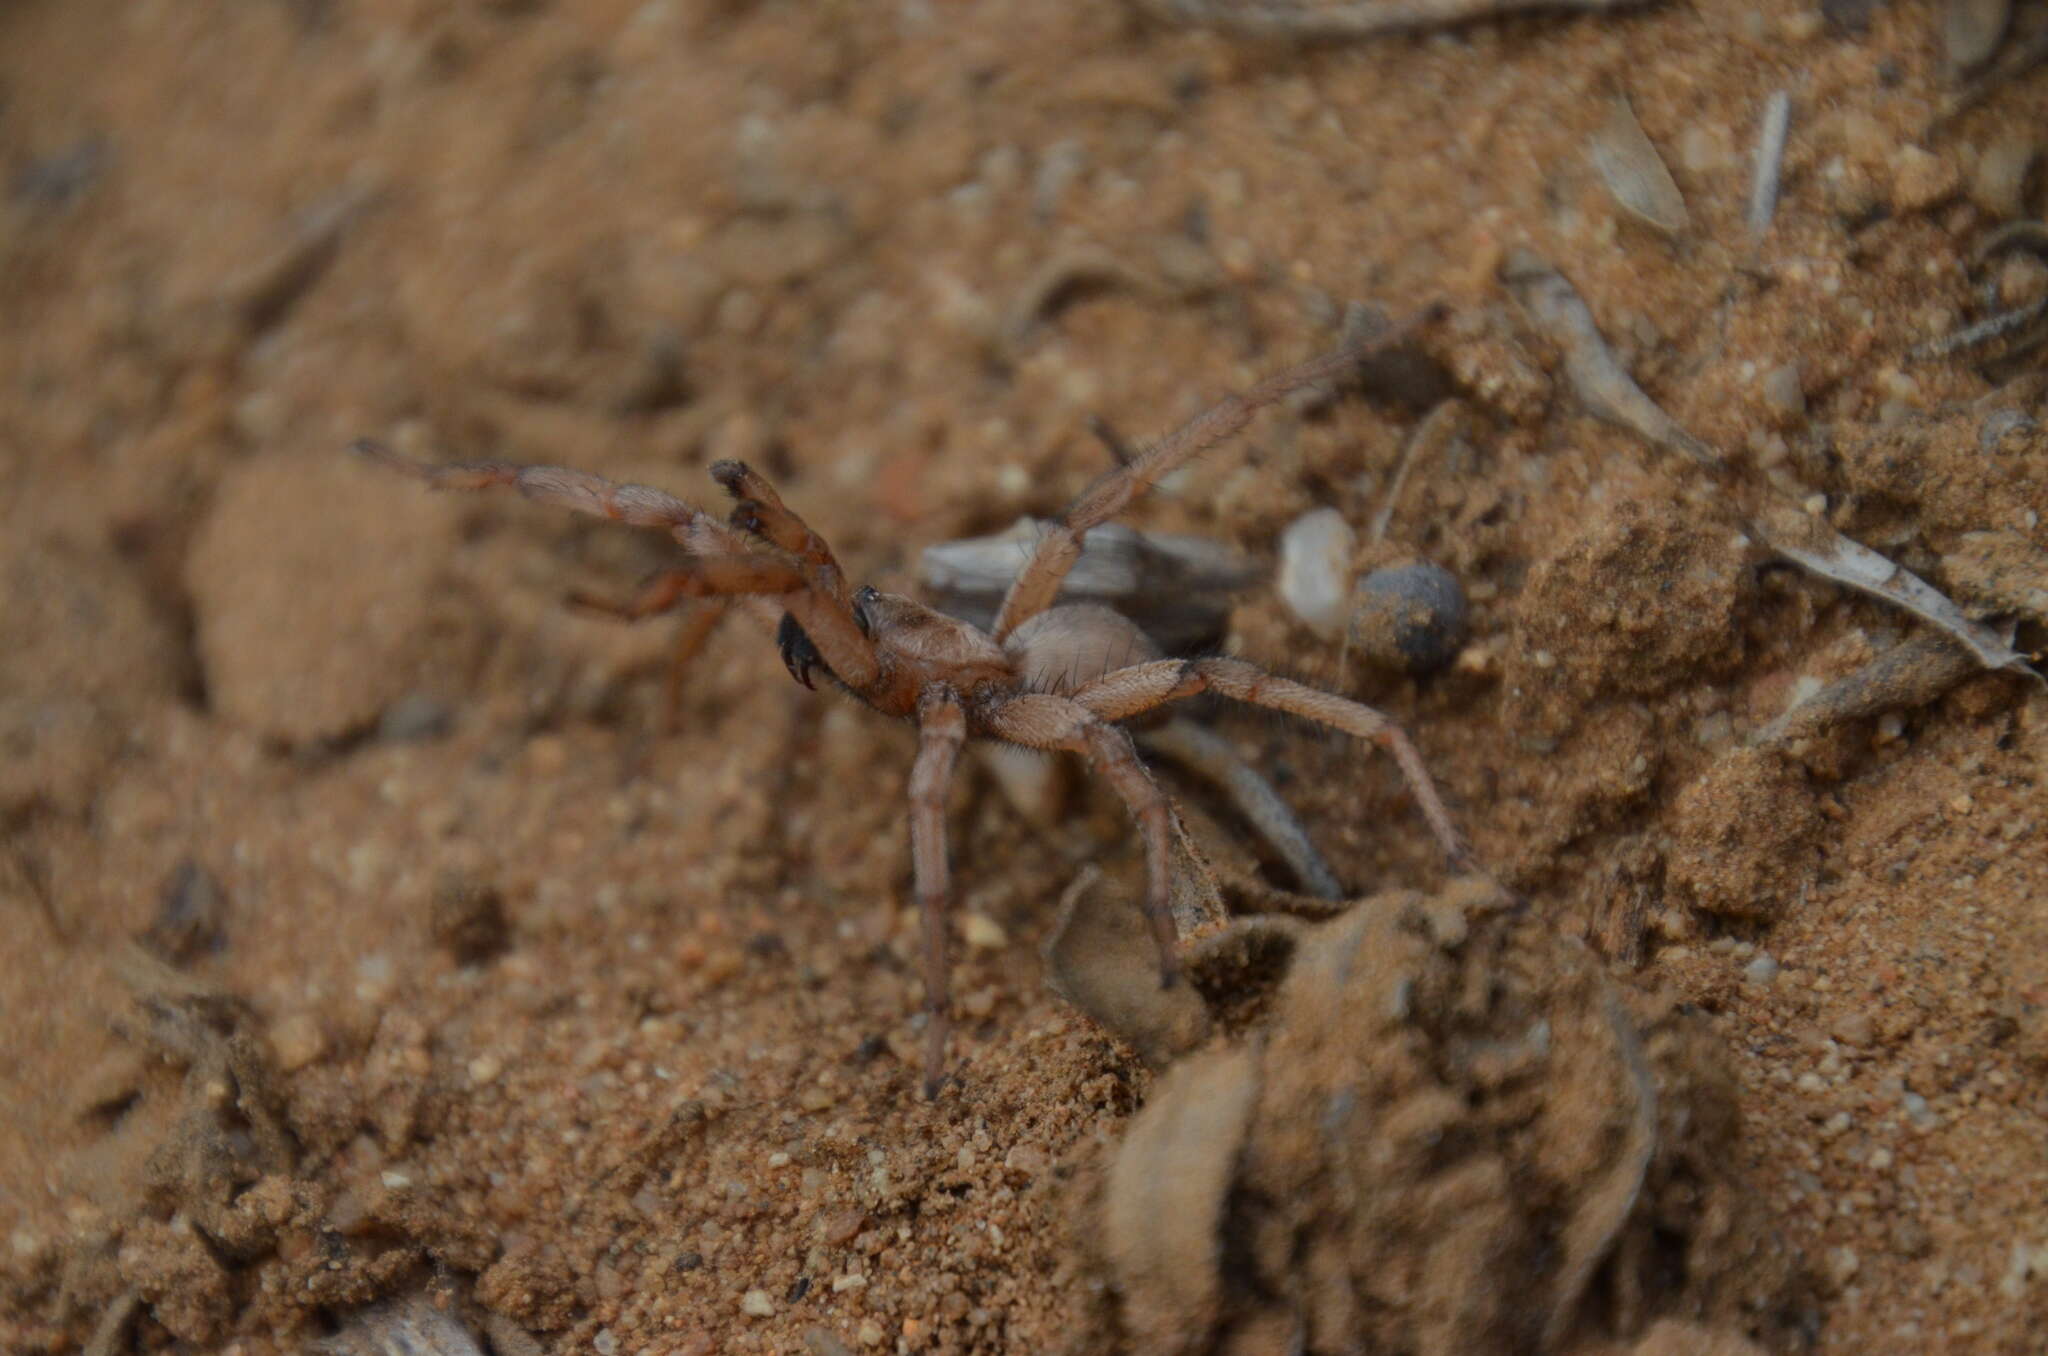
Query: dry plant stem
(1770,157)
(1060,547)
(1430,436)
(1356,20)
(941,730)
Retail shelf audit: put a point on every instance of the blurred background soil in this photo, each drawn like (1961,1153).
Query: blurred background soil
(366,931)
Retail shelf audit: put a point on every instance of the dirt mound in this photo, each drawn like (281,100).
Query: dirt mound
(1447,1134)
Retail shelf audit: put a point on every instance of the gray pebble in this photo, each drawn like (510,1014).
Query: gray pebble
(191,915)
(1410,617)
(415,716)
(1762,970)
(1999,424)
(1784,395)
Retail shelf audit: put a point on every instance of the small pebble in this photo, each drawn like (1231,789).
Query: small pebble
(415,717)
(1920,179)
(1762,969)
(2022,280)
(1315,569)
(870,1333)
(1971,31)
(190,917)
(1999,424)
(1410,617)
(1855,1028)
(606,1341)
(2000,183)
(984,933)
(467,916)
(1784,395)
(296,1042)
(756,1304)
(1843,1265)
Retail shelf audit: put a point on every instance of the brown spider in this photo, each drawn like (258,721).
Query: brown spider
(1043,676)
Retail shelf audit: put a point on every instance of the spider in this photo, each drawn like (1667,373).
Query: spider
(1059,677)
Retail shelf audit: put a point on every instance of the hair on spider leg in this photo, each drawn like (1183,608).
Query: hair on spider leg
(1042,674)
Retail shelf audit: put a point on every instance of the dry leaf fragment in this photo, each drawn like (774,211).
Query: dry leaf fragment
(1102,959)
(1910,674)
(1634,173)
(1555,307)
(1164,1213)
(1812,544)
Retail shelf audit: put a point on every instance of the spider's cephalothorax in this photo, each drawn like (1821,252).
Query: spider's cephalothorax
(1047,677)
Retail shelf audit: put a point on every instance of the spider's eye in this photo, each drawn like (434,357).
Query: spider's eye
(862,596)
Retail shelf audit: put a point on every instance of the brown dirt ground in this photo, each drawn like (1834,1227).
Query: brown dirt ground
(456,968)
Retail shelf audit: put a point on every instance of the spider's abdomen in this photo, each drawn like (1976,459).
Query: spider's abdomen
(1067,646)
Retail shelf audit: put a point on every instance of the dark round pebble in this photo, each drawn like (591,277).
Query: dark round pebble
(1410,617)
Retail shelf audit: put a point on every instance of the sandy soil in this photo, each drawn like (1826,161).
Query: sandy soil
(369,938)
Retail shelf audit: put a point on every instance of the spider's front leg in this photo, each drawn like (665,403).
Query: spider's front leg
(941,730)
